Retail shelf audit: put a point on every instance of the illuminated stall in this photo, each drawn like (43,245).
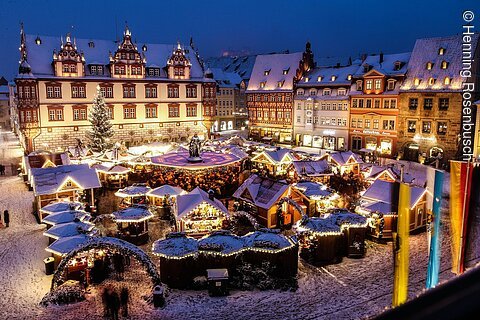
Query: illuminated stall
(60,206)
(317,197)
(132,223)
(311,170)
(134,194)
(68,229)
(114,176)
(344,162)
(65,217)
(274,162)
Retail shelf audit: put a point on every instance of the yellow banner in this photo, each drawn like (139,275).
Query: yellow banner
(401,243)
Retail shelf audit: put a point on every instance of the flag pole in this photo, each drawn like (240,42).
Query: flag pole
(461,267)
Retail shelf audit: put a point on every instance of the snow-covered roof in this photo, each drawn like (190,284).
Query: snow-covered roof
(188,202)
(66,217)
(221,241)
(387,67)
(427,50)
(175,245)
(243,66)
(62,206)
(162,191)
(51,180)
(267,239)
(322,76)
(313,189)
(331,223)
(311,168)
(63,246)
(262,192)
(132,191)
(236,151)
(385,191)
(269,69)
(69,229)
(342,158)
(393,172)
(76,152)
(276,156)
(135,213)
(226,79)
(40,57)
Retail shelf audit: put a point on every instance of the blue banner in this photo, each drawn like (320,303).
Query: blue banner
(434,258)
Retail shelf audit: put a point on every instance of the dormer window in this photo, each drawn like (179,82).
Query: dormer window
(359,85)
(300,92)
(333,78)
(446,81)
(262,84)
(307,79)
(342,92)
(444,64)
(144,48)
(320,78)
(38,41)
(280,83)
(390,84)
(96,70)
(91,44)
(416,81)
(398,65)
(266,72)
(153,72)
(313,92)
(285,71)
(441,51)
(326,92)
(431,81)
(349,77)
(429,65)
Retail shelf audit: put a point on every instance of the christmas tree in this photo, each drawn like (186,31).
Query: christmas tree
(101,131)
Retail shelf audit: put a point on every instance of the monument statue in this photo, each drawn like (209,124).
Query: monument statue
(194,149)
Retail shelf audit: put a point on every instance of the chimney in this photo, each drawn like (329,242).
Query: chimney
(364,56)
(381,57)
(338,64)
(211,194)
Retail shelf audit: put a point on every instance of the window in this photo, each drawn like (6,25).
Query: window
(54,91)
(368,84)
(444,64)
(299,119)
(369,103)
(359,123)
(280,83)
(412,126)
(344,122)
(442,128)
(78,91)
(359,85)
(120,70)
(300,92)
(262,84)
(313,92)
(110,112)
(413,103)
(429,66)
(315,119)
(191,92)
(360,103)
(150,91)
(391,85)
(173,111)
(443,103)
(428,103)
(129,112)
(441,51)
(354,103)
(319,79)
(179,71)
(426,126)
(55,113)
(266,72)
(192,110)
(378,84)
(285,71)
(309,120)
(333,78)
(326,92)
(151,111)
(342,92)
(153,72)
(446,81)
(431,81)
(416,81)
(388,124)
(375,123)
(356,143)
(173,91)
(376,103)
(136,70)
(386,104)
(96,70)
(79,113)
(333,122)
(129,91)
(393,104)
(354,123)
(367,123)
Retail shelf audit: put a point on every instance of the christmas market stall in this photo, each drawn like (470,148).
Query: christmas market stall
(177,254)
(64,183)
(112,176)
(265,199)
(134,194)
(65,217)
(132,223)
(274,162)
(317,197)
(68,229)
(198,213)
(63,246)
(163,199)
(272,247)
(324,240)
(42,159)
(389,173)
(59,206)
(343,162)
(379,204)
(219,249)
(309,170)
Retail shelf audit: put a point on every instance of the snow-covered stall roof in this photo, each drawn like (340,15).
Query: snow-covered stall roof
(311,168)
(188,202)
(40,56)
(54,179)
(387,192)
(63,246)
(79,152)
(69,229)
(236,151)
(66,216)
(62,206)
(176,244)
(133,191)
(135,213)
(273,69)
(117,169)
(276,156)
(332,223)
(262,192)
(313,189)
(221,241)
(164,190)
(393,172)
(269,240)
(343,158)
(428,50)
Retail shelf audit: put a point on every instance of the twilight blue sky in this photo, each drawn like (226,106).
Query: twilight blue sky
(336,28)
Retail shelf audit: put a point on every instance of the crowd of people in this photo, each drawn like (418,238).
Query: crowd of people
(222,180)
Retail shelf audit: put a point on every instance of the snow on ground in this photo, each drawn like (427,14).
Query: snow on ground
(353,289)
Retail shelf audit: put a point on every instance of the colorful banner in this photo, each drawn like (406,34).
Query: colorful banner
(460,175)
(401,243)
(472,243)
(434,257)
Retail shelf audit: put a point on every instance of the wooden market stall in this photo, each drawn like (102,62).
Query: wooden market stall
(65,217)
(343,162)
(68,229)
(134,194)
(317,197)
(132,223)
(59,206)
(309,170)
(274,162)
(114,176)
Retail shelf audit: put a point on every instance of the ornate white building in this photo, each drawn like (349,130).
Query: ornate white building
(154,92)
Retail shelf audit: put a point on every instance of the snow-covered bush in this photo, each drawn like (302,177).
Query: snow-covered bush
(69,292)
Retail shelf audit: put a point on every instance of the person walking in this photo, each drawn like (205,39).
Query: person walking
(6,218)
(124,297)
(115,305)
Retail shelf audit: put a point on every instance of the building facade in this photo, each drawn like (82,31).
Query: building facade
(153,93)
(5,94)
(270,94)
(374,103)
(430,98)
(322,108)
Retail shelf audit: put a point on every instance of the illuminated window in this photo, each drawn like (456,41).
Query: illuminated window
(349,77)
(320,78)
(416,81)
(333,78)
(369,84)
(429,66)
(431,81)
(442,128)
(441,51)
(375,123)
(285,71)
(444,64)
(378,84)
(266,72)
(412,126)
(446,81)
(426,126)
(262,84)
